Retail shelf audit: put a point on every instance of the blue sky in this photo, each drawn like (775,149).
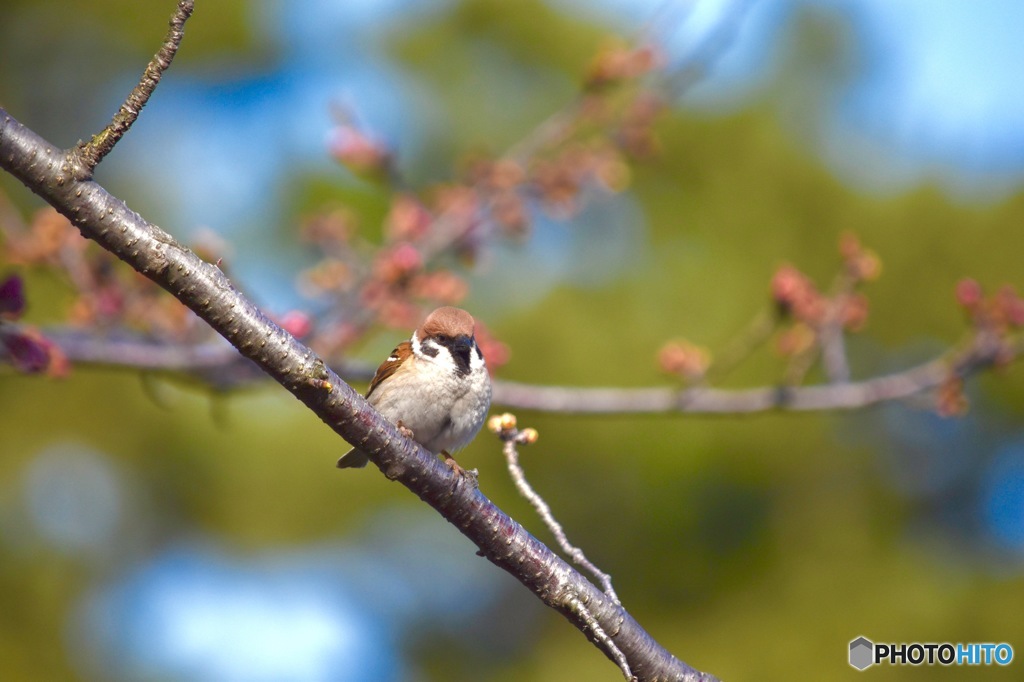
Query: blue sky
(945,98)
(941,98)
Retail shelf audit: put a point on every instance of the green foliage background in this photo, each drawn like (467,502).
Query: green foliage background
(754,548)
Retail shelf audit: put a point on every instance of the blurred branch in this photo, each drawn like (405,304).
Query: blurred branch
(984,351)
(222,368)
(129,351)
(206,290)
(740,348)
(833,351)
(833,332)
(589,143)
(706,54)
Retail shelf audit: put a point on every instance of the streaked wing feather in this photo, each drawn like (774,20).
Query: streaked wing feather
(399,355)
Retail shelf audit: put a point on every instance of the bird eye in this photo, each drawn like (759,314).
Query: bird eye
(441,338)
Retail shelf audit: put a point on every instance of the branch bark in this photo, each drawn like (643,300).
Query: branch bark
(58,176)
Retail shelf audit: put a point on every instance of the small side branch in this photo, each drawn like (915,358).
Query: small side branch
(92,152)
(984,351)
(833,353)
(580,609)
(505,427)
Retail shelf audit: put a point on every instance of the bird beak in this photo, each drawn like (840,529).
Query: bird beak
(462,344)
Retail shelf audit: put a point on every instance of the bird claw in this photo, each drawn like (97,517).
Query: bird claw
(405,431)
(471,475)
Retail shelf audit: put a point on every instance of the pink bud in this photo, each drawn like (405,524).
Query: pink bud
(296,323)
(968,292)
(27,353)
(359,152)
(406,258)
(12,297)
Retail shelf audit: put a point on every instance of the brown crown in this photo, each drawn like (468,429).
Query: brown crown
(448,321)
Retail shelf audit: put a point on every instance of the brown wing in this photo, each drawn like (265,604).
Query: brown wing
(399,355)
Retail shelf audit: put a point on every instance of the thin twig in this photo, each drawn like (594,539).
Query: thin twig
(837,368)
(740,348)
(798,367)
(511,437)
(832,336)
(833,344)
(92,152)
(709,51)
(601,636)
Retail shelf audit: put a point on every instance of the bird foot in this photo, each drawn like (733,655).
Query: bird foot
(470,474)
(404,430)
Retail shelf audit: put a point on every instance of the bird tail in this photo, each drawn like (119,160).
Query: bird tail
(354,458)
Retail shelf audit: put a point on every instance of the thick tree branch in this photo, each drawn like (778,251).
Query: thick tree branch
(54,175)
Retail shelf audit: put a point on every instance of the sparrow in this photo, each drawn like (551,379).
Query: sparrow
(434,387)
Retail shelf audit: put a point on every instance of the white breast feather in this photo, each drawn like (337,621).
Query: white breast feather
(444,409)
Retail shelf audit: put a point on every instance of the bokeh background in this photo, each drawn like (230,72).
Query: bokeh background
(149,530)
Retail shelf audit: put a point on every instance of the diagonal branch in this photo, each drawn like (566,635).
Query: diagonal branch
(50,173)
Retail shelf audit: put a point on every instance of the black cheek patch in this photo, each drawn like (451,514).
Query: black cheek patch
(428,349)
(461,357)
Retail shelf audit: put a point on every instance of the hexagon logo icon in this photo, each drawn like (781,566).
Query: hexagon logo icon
(861,653)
